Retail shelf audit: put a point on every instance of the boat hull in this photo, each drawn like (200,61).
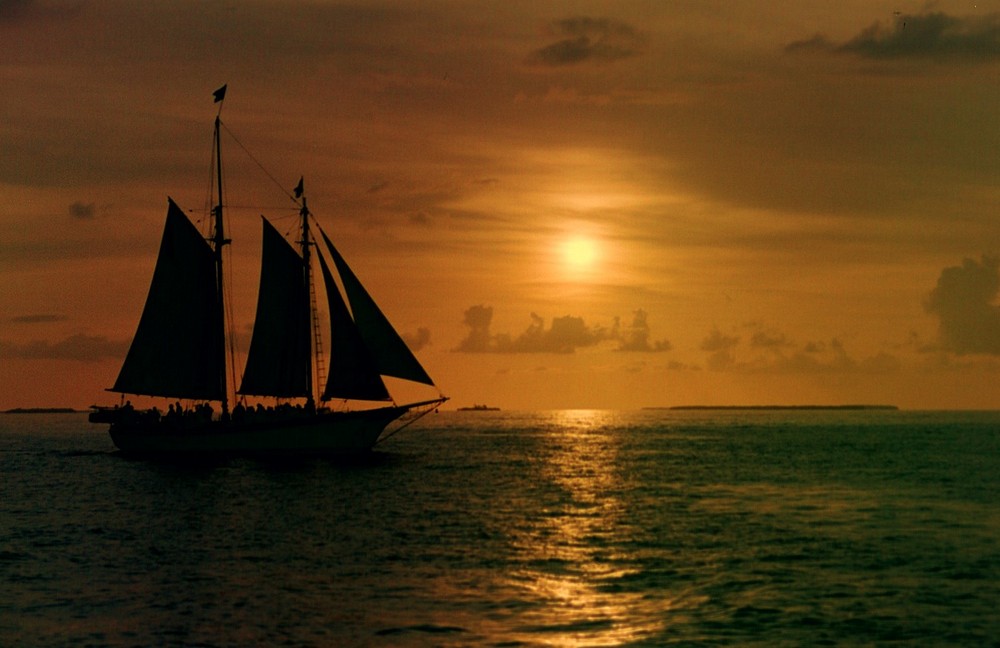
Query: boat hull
(325,433)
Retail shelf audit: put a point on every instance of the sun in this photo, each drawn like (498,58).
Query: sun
(579,253)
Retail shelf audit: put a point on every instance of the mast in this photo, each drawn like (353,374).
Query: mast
(307,279)
(220,240)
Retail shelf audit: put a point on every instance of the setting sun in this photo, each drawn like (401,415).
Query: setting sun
(579,253)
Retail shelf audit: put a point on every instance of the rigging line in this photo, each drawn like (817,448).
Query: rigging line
(258,207)
(259,165)
(430,407)
(230,323)
(207,205)
(319,365)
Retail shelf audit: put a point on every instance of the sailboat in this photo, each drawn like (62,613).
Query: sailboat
(181,351)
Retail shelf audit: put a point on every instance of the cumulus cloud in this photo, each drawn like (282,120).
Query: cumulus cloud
(812,357)
(769,340)
(478,319)
(418,340)
(582,39)
(635,337)
(769,351)
(80,347)
(716,340)
(563,335)
(963,301)
(824,357)
(720,348)
(930,35)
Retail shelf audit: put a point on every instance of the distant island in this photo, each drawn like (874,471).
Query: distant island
(775,407)
(41,410)
(479,408)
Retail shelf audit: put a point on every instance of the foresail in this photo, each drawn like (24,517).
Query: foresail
(353,373)
(278,363)
(176,349)
(391,355)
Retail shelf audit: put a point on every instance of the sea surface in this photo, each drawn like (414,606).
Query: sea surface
(563,528)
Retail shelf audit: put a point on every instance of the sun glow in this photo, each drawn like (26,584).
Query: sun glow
(579,253)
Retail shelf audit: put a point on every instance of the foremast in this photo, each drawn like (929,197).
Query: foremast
(305,244)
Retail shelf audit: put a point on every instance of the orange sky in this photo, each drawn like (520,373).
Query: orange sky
(569,204)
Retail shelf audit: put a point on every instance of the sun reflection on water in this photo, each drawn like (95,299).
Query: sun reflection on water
(572,562)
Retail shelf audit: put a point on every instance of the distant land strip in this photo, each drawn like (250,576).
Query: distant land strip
(40,410)
(776,407)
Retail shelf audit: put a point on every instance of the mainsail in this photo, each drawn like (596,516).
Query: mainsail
(176,349)
(391,355)
(278,363)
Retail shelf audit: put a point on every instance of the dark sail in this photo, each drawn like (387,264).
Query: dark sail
(278,363)
(175,351)
(353,373)
(391,354)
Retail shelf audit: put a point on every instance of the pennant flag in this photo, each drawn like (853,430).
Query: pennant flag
(299,189)
(219,94)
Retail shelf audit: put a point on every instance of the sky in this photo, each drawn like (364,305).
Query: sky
(559,204)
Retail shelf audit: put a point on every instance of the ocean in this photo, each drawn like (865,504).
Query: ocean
(562,528)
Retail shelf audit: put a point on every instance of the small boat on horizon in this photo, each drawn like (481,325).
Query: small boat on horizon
(479,408)
(181,349)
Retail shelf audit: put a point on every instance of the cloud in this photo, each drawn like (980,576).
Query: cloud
(813,357)
(930,35)
(635,337)
(80,347)
(82,210)
(478,319)
(969,322)
(817,43)
(420,218)
(717,341)
(772,352)
(564,335)
(585,39)
(418,340)
(769,340)
(720,347)
(13,9)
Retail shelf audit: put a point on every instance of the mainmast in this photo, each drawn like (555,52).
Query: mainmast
(220,240)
